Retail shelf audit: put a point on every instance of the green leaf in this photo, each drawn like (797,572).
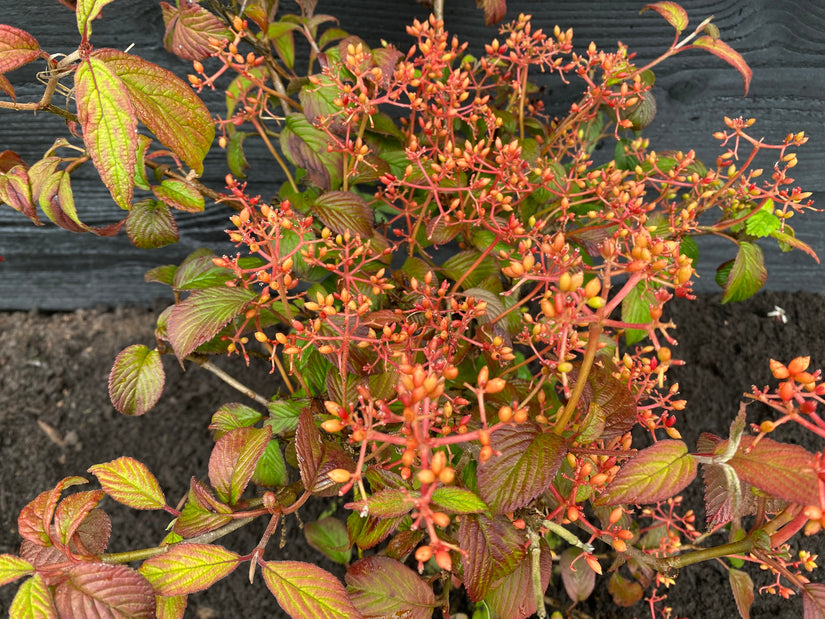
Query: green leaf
(179,195)
(33,600)
(370,531)
(746,274)
(306,147)
(305,590)
(383,587)
(231,416)
(12,568)
(763,222)
(527,465)
(654,474)
(318,100)
(17,47)
(162,275)
(17,193)
(280,34)
(172,607)
(457,500)
(101,590)
(189,28)
(130,482)
(386,503)
(283,415)
(109,126)
(150,225)
(625,592)
(199,271)
(233,461)
(187,568)
(235,155)
(722,50)
(675,15)
(460,264)
(742,587)
(344,210)
(166,105)
(87,11)
(136,380)
(199,317)
(271,469)
(636,310)
(329,536)
(494,549)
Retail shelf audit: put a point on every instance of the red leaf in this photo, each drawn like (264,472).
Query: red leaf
(233,461)
(719,48)
(150,224)
(654,474)
(199,317)
(136,380)
(9,159)
(579,581)
(54,196)
(316,457)
(166,105)
(675,15)
(95,590)
(305,590)
(187,568)
(16,192)
(92,536)
(494,10)
(383,587)
(781,470)
(72,510)
(306,147)
(742,587)
(202,512)
(109,126)
(512,596)
(813,601)
(189,28)
(494,549)
(130,482)
(17,47)
(35,519)
(527,465)
(625,592)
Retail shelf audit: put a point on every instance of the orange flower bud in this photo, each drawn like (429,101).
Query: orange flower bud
(495,385)
(798,365)
(339,476)
(485,454)
(333,425)
(778,370)
(425,476)
(423,553)
(440,519)
(442,558)
(447,476)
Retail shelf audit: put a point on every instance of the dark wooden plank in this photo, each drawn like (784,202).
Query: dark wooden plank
(782,40)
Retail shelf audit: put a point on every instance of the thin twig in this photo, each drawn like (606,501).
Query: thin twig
(231,381)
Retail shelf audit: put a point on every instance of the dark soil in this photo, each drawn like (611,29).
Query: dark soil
(56,421)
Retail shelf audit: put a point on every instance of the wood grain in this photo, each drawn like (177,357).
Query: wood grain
(782,40)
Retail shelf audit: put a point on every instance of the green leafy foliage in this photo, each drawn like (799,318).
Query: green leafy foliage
(305,590)
(187,568)
(136,380)
(130,482)
(655,473)
(382,587)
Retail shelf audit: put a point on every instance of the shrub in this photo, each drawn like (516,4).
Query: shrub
(464,304)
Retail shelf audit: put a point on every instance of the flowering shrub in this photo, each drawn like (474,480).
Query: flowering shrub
(465,306)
